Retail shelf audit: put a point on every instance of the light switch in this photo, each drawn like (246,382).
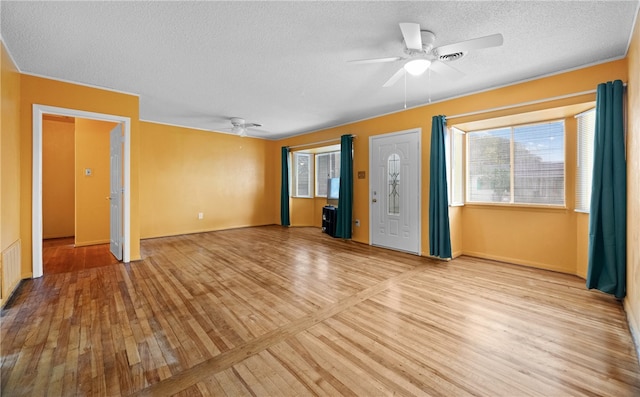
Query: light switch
(87,172)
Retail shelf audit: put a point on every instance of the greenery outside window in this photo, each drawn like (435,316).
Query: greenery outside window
(517,165)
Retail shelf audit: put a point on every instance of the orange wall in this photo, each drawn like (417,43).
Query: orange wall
(184,172)
(58,184)
(92,206)
(523,221)
(582,244)
(10,153)
(457,234)
(38,90)
(9,159)
(632,301)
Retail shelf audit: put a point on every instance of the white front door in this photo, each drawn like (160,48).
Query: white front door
(115,195)
(395,190)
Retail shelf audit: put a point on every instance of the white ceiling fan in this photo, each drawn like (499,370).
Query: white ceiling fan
(240,126)
(420,54)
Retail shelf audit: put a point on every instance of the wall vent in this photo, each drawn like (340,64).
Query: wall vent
(10,275)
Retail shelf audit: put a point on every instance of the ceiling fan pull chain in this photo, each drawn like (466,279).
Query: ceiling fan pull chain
(405,90)
(429,84)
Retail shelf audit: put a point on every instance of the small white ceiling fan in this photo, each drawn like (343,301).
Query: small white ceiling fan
(240,126)
(421,55)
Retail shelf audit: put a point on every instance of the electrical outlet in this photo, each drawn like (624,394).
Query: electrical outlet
(200,215)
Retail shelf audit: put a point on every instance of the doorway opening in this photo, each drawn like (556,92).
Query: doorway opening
(39,111)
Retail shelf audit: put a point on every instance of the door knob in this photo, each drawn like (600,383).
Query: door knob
(374,200)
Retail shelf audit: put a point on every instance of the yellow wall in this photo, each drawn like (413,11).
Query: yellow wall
(524,222)
(58,182)
(10,145)
(184,172)
(540,237)
(632,301)
(92,206)
(9,155)
(37,90)
(582,244)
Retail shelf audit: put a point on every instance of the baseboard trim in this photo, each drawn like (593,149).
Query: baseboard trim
(634,325)
(517,261)
(87,243)
(12,294)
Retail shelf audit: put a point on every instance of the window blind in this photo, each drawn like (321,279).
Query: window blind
(327,166)
(586,133)
(519,165)
(302,174)
(539,164)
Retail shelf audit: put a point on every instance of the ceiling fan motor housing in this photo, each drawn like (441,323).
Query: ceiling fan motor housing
(428,39)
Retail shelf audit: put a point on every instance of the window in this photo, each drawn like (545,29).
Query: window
(586,135)
(301,174)
(455,165)
(327,166)
(393,184)
(517,165)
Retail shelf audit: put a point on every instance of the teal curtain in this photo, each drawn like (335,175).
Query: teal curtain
(284,189)
(345,200)
(439,233)
(608,213)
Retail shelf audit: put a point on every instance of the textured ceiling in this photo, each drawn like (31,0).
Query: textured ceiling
(284,64)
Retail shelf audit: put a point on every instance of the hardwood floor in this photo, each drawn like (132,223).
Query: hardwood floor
(60,256)
(273,311)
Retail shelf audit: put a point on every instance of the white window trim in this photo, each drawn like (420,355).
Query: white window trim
(512,203)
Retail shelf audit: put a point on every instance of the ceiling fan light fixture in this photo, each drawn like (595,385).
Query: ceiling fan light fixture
(417,66)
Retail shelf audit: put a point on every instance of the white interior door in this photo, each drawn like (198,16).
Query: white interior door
(395,190)
(115,195)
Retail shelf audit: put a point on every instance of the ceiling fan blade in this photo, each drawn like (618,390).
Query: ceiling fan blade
(493,40)
(411,34)
(394,78)
(375,60)
(445,70)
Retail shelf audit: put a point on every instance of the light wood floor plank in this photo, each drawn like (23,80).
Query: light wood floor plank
(291,311)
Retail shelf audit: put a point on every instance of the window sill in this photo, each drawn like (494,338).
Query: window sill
(518,206)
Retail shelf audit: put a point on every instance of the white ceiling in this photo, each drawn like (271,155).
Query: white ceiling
(284,64)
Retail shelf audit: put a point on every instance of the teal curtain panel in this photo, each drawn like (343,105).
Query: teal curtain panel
(608,214)
(345,199)
(439,232)
(284,189)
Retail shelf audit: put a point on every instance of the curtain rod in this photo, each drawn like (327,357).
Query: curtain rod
(317,143)
(517,105)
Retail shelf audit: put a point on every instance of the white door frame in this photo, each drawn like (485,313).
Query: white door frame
(417,131)
(36,193)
